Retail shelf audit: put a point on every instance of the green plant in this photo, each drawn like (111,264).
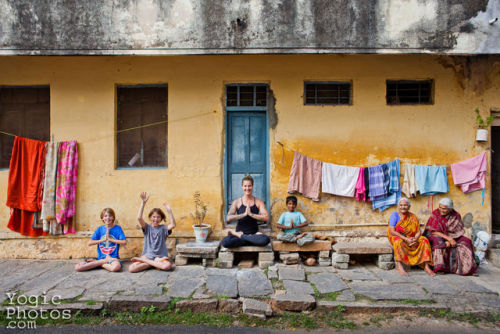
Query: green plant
(481,123)
(200,209)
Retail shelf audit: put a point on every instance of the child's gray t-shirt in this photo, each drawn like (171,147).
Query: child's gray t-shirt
(155,241)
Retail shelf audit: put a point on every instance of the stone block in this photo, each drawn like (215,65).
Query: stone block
(226,256)
(324,254)
(265,264)
(266,256)
(202,248)
(293,302)
(272,272)
(225,264)
(296,274)
(380,247)
(324,263)
(208,262)
(494,256)
(340,257)
(386,265)
(340,265)
(246,264)
(197,305)
(316,246)
(181,260)
(385,257)
(135,303)
(252,307)
(227,305)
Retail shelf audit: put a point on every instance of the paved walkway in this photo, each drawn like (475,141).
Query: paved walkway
(253,290)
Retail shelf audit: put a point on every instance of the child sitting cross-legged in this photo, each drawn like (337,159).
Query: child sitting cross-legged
(154,253)
(291,222)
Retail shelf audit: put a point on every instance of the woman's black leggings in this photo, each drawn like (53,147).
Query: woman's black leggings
(232,241)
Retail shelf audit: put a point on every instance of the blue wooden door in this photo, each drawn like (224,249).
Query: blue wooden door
(246,153)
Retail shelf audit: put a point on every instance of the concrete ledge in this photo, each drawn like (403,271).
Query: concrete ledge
(316,246)
(135,303)
(363,248)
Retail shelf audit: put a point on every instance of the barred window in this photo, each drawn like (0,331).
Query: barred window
(327,93)
(246,96)
(142,126)
(409,92)
(25,112)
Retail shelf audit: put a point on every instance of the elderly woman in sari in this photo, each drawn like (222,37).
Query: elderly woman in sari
(452,251)
(410,247)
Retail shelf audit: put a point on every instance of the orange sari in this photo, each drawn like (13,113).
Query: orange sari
(416,254)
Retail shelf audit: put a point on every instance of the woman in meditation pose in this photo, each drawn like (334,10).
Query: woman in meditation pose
(410,247)
(451,250)
(247,210)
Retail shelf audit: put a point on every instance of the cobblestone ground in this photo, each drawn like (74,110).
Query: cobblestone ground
(292,287)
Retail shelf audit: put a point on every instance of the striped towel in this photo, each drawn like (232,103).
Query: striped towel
(378,190)
(394,189)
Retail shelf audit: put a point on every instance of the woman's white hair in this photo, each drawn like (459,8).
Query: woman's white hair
(404,199)
(447,202)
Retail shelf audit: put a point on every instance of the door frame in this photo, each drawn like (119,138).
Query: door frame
(227,111)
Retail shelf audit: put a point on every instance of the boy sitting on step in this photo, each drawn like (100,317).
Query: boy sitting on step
(291,222)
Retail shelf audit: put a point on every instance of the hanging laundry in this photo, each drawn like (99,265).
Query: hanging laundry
(67,172)
(305,176)
(470,174)
(361,193)
(410,187)
(24,195)
(339,180)
(367,184)
(394,192)
(431,180)
(48,214)
(379,185)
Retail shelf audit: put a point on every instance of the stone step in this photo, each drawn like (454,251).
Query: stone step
(381,247)
(316,246)
(248,249)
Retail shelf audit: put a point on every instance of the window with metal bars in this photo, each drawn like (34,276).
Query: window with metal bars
(25,112)
(142,126)
(246,95)
(409,92)
(327,93)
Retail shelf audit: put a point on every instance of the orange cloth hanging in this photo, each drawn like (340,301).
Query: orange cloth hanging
(24,191)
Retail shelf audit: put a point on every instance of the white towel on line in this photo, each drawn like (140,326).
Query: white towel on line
(339,180)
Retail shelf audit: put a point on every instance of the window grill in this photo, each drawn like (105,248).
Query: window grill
(328,93)
(142,126)
(25,112)
(246,95)
(409,92)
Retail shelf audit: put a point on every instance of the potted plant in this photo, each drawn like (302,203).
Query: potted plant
(482,131)
(201,229)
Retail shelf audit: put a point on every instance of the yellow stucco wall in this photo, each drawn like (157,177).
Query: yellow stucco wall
(364,133)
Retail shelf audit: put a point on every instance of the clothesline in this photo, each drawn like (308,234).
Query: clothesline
(292,150)
(137,127)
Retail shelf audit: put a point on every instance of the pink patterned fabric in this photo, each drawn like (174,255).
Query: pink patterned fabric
(67,172)
(470,174)
(360,186)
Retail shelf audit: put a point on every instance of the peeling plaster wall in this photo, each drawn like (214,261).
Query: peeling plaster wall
(149,27)
(364,133)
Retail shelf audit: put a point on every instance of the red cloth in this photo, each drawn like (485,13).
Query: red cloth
(305,176)
(24,194)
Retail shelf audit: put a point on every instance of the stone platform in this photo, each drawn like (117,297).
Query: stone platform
(265,255)
(206,251)
(343,250)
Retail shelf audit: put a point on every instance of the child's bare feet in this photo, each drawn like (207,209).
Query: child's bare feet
(400,269)
(301,235)
(135,259)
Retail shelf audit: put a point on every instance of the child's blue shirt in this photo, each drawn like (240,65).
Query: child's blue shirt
(107,247)
(286,220)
